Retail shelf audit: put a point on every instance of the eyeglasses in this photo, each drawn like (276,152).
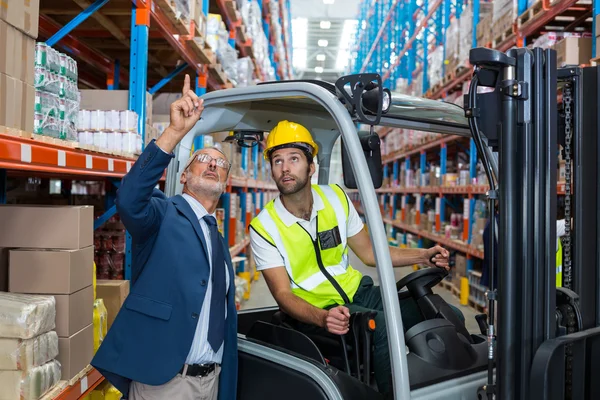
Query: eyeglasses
(207,159)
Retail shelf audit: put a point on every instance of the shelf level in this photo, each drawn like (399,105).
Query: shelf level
(250,183)
(81,387)
(23,154)
(398,155)
(453,244)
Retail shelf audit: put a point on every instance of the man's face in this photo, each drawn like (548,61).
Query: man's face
(290,169)
(206,177)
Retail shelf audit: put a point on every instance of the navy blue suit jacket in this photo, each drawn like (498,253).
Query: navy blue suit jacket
(151,336)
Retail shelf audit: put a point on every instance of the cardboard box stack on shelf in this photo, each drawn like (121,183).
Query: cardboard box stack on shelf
(573,51)
(218,40)
(416,87)
(253,20)
(465,31)
(28,346)
(106,124)
(18,31)
(113,293)
(485,34)
(549,40)
(55,258)
(56,94)
(277,32)
(436,66)
(503,17)
(451,46)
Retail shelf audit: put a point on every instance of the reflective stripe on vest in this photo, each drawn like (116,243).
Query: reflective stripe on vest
(559,260)
(296,247)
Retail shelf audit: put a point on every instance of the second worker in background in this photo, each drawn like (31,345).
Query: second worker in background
(300,243)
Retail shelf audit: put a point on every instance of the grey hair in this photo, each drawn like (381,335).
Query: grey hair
(195,154)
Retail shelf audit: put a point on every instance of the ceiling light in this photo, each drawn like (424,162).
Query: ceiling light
(319,70)
(328,1)
(325,24)
(323,43)
(320,57)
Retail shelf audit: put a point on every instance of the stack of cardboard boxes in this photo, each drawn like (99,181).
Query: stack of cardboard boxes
(18,31)
(50,252)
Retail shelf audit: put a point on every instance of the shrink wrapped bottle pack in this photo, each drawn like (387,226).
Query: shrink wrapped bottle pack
(24,354)
(31,384)
(24,316)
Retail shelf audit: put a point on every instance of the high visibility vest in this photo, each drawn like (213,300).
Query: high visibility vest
(310,264)
(559,261)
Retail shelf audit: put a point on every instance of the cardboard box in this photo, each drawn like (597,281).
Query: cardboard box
(7,101)
(47,227)
(573,51)
(107,100)
(76,352)
(50,271)
(27,107)
(24,62)
(460,265)
(114,293)
(7,46)
(22,14)
(74,311)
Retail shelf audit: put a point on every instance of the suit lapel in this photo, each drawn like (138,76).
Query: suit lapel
(229,264)
(182,205)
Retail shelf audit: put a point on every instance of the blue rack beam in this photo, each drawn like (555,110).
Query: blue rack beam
(410,41)
(75,22)
(168,78)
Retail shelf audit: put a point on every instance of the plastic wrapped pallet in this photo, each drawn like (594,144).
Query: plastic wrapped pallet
(452,46)
(503,7)
(549,39)
(436,62)
(31,384)
(245,71)
(24,354)
(25,316)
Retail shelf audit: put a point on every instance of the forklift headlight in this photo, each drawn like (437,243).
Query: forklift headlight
(371,99)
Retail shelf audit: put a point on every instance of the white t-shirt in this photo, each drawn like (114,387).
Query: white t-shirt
(267,256)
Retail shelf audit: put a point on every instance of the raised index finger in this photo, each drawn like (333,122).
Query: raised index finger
(186,84)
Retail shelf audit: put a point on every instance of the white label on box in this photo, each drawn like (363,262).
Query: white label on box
(25,153)
(89,163)
(128,165)
(84,384)
(466,208)
(438,205)
(111,164)
(62,158)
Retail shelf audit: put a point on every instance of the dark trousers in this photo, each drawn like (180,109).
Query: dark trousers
(368,298)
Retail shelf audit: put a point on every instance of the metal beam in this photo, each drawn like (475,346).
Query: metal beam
(168,78)
(101,220)
(117,33)
(382,29)
(85,14)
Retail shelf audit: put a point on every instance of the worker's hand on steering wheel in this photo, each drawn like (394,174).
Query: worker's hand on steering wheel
(337,320)
(439,256)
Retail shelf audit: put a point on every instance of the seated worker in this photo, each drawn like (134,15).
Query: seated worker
(300,243)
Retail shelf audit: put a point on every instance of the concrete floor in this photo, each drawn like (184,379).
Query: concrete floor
(261,297)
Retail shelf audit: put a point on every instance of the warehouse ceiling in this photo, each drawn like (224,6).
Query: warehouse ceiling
(323,31)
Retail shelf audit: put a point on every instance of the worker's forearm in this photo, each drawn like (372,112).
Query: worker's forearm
(405,257)
(300,309)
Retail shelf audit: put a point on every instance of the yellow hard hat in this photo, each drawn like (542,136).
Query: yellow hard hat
(287,132)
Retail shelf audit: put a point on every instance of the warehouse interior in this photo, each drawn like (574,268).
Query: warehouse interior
(492,105)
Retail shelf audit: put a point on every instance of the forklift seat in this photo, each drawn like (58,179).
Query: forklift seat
(336,349)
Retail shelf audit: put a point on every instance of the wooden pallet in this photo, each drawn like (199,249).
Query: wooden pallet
(502,37)
(231,7)
(15,132)
(216,72)
(477,306)
(529,14)
(205,55)
(182,25)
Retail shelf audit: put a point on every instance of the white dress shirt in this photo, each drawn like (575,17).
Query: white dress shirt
(201,351)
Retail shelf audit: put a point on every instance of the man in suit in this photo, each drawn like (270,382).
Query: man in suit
(176,334)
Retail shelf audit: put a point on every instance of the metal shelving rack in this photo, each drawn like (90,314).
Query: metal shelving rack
(21,154)
(396,42)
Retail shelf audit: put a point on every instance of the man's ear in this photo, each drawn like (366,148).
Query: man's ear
(183,178)
(313,169)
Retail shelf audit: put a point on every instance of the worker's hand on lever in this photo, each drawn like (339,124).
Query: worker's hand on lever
(337,320)
(437,256)
(184,114)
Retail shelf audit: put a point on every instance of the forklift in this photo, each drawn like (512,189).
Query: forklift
(537,341)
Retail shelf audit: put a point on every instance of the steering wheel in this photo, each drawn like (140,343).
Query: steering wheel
(419,283)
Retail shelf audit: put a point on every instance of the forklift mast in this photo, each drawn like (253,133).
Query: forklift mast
(548,340)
